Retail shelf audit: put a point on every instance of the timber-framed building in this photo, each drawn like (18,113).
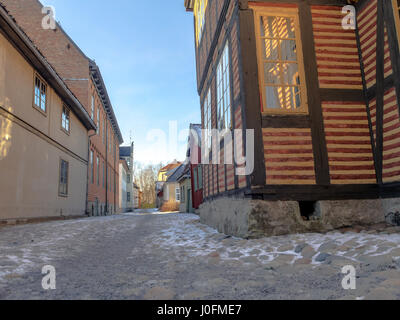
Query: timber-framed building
(322,96)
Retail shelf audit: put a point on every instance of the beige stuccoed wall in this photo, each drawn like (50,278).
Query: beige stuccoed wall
(29,161)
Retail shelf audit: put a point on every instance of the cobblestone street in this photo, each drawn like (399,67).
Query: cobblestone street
(173,256)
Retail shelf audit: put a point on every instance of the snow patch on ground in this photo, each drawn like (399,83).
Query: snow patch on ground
(186,232)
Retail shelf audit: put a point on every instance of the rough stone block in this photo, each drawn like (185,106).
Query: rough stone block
(249,218)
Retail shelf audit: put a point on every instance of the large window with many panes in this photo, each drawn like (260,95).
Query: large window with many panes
(280,61)
(224,120)
(200,7)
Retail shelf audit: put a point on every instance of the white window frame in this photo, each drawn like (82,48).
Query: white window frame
(66,119)
(40,94)
(208,120)
(178,194)
(224,100)
(289,13)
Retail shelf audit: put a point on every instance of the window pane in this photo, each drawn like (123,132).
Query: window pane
(63,184)
(37,92)
(274,97)
(292,98)
(43,98)
(286,28)
(277,27)
(270,49)
(227,119)
(288,50)
(272,73)
(291,74)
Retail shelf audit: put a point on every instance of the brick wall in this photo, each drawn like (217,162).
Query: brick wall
(367,20)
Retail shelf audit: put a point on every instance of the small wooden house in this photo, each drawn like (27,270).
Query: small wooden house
(322,95)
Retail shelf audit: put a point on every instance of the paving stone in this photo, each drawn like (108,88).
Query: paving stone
(303,261)
(322,257)
(377,263)
(381,294)
(235,254)
(251,259)
(255,252)
(285,248)
(308,252)
(330,245)
(159,293)
(394,282)
(299,248)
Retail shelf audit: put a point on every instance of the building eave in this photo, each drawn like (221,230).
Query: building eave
(102,90)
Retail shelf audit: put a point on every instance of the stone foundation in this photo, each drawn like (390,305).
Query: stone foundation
(248,218)
(391,208)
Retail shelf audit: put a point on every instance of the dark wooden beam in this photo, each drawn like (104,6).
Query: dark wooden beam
(341,95)
(388,83)
(393,45)
(316,193)
(380,78)
(365,95)
(314,99)
(244,3)
(286,121)
(252,102)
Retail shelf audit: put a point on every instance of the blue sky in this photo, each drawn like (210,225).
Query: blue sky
(145,50)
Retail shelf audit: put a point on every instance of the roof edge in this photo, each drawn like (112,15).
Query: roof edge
(98,81)
(32,54)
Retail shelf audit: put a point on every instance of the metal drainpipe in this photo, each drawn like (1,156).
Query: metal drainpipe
(87,184)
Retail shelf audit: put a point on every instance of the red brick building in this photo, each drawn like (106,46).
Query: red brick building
(84,79)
